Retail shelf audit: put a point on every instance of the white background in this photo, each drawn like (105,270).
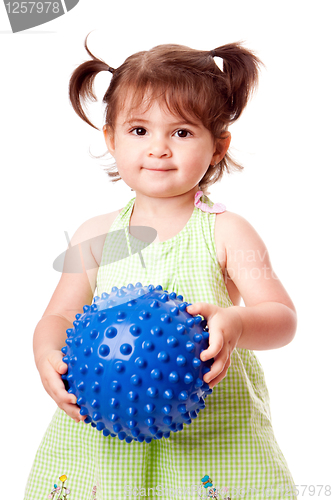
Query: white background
(50,184)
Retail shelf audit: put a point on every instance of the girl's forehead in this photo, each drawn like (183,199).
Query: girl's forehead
(134,104)
(147,110)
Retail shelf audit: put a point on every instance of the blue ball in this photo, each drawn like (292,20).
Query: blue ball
(134,363)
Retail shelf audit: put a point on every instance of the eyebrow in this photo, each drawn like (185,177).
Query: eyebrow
(135,119)
(132,120)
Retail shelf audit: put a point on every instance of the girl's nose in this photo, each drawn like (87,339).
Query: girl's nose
(159,148)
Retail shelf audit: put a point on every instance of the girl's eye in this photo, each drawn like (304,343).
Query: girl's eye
(182,133)
(139,131)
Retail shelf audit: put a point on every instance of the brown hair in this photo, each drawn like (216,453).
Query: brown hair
(188,82)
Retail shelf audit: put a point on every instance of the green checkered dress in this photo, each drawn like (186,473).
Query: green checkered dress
(232,440)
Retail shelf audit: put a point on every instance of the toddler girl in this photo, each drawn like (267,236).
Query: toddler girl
(168,112)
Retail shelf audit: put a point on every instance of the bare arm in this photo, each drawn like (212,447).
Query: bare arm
(267,321)
(269,318)
(50,334)
(73,291)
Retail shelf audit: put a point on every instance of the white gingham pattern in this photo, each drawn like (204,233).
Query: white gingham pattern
(232,439)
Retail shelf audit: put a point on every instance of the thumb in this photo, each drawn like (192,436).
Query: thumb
(203,308)
(57,362)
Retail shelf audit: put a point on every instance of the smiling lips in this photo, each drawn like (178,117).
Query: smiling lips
(160,169)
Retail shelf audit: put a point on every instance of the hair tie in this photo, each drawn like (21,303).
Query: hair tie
(219,61)
(111,70)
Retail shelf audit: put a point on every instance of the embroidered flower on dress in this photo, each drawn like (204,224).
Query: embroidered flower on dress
(212,493)
(64,492)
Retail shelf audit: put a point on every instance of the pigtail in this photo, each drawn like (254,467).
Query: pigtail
(241,72)
(81,85)
(234,83)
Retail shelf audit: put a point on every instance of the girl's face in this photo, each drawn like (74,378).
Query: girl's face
(159,154)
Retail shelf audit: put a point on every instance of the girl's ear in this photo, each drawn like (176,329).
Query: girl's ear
(221,147)
(109,139)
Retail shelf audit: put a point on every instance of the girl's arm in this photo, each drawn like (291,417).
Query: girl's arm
(74,290)
(269,318)
(267,321)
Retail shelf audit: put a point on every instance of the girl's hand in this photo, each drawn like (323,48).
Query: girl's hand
(51,367)
(225,328)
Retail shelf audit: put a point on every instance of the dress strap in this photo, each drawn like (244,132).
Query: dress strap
(217,208)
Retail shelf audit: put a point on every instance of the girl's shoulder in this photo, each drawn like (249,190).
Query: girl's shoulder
(95,230)
(235,229)
(78,280)
(237,240)
(100,224)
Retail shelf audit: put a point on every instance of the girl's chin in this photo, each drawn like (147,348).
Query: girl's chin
(156,186)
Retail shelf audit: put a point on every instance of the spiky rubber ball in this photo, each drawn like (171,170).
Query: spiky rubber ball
(134,363)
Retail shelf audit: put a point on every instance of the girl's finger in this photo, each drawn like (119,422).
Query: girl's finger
(67,403)
(202,308)
(216,368)
(64,396)
(58,392)
(215,346)
(57,363)
(218,379)
(72,411)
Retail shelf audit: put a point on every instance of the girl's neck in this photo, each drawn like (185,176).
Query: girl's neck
(148,207)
